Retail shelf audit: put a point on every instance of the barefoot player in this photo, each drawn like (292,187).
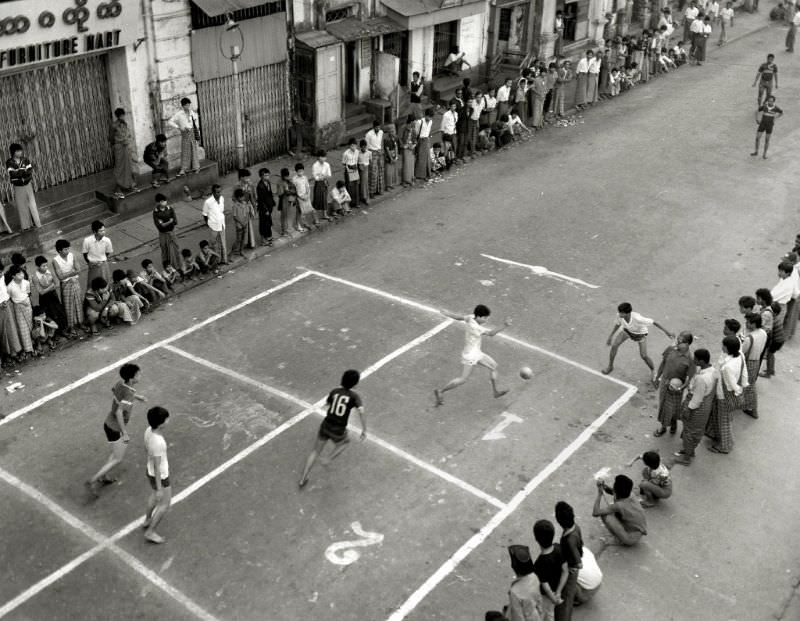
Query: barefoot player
(341,402)
(632,325)
(769,112)
(474,329)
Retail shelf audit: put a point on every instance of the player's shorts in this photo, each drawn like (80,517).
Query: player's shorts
(766,126)
(478,357)
(112,435)
(635,337)
(152,479)
(331,432)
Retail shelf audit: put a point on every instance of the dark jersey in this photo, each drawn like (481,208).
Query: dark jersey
(340,403)
(768,114)
(767,71)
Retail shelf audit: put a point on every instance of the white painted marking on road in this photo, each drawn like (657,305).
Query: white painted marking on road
(450,564)
(344,552)
(202,481)
(146,350)
(502,335)
(103,543)
(540,270)
(496,433)
(388,446)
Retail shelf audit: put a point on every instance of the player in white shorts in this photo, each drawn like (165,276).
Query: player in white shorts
(474,329)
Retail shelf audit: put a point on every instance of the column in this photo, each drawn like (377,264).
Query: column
(547,38)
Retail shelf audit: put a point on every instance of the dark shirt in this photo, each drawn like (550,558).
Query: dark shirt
(340,403)
(153,153)
(572,548)
(461,111)
(677,365)
(20,172)
(265,199)
(160,216)
(547,567)
(767,70)
(413,87)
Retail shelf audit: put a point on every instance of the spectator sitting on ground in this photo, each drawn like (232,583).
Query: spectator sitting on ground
(656,481)
(778,13)
(171,275)
(438,161)
(515,125)
(665,61)
(341,199)
(189,267)
(590,577)
(633,75)
(485,138)
(455,62)
(623,518)
(502,132)
(153,278)
(144,288)
(207,260)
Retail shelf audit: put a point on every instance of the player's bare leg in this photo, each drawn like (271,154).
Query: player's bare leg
(488,363)
(453,383)
(766,145)
(318,446)
(619,339)
(337,450)
(156,515)
(758,141)
(647,360)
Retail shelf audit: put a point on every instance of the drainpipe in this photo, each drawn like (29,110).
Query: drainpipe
(291,90)
(152,65)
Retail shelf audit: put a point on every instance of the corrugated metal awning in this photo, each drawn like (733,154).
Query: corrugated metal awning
(352,29)
(316,39)
(413,14)
(214,8)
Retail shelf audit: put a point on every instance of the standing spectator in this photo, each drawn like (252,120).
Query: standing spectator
(449,128)
(287,200)
(754,347)
(390,155)
(422,166)
(19,291)
(120,137)
(248,199)
(377,172)
(5,227)
(408,145)
(504,97)
(565,76)
(157,473)
(462,117)
(165,220)
(214,217)
(603,83)
(665,19)
(304,207)
(571,545)
(551,78)
(188,124)
(733,380)
(582,72)
(772,317)
(240,211)
(10,346)
(697,408)
(550,568)
(558,30)
(690,14)
(320,173)
(350,163)
(155,156)
(415,90)
(521,99)
(539,89)
(97,250)
(266,204)
(673,375)
(524,594)
(792,307)
(593,77)
(364,170)
(702,32)
(45,286)
(624,518)
(792,33)
(71,297)
(489,111)
(20,171)
(726,22)
(474,111)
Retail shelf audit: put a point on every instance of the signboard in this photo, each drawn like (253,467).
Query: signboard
(36,31)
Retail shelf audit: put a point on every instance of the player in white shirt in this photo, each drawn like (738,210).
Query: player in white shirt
(474,329)
(157,473)
(632,326)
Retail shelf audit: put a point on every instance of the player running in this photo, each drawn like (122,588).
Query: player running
(474,329)
(341,402)
(769,112)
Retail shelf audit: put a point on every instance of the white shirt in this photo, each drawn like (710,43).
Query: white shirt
(473,331)
(4,297)
(19,292)
(707,28)
(97,251)
(374,140)
(730,369)
(696,27)
(714,9)
(449,120)
(795,19)
(594,65)
(215,212)
(182,121)
(782,292)
(65,266)
(727,14)
(638,324)
(691,12)
(589,575)
(489,102)
(754,343)
(340,196)
(702,384)
(583,65)
(156,446)
(477,108)
(503,93)
(425,128)
(321,171)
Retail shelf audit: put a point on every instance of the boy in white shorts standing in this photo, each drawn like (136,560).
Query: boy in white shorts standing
(474,329)
(632,325)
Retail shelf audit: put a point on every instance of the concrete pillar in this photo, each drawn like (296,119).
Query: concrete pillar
(547,37)
(547,45)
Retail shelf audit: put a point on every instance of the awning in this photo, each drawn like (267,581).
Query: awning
(413,14)
(316,39)
(214,8)
(352,29)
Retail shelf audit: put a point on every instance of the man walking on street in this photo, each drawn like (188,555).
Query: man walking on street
(214,216)
(766,75)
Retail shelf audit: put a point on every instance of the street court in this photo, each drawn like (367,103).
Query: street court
(369,537)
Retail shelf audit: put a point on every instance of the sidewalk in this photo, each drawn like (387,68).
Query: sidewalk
(136,239)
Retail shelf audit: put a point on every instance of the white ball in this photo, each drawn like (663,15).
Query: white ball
(526,373)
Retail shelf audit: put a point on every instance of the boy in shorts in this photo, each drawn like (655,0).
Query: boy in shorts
(474,329)
(341,402)
(116,425)
(157,473)
(769,112)
(632,325)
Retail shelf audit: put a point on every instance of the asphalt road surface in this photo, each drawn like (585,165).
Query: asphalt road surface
(652,199)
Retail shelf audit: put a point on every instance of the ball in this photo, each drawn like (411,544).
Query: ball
(526,373)
(675,384)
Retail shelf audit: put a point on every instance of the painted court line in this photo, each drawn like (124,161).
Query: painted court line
(355,428)
(543,271)
(450,564)
(138,354)
(191,489)
(502,335)
(130,560)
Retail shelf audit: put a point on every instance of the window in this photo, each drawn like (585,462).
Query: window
(504,28)
(570,17)
(201,20)
(337,15)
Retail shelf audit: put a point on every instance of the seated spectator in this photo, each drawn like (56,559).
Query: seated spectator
(171,275)
(778,13)
(502,132)
(484,138)
(438,160)
(155,156)
(153,278)
(614,81)
(100,306)
(189,267)
(516,126)
(589,578)
(656,480)
(207,260)
(665,61)
(44,331)
(144,288)
(633,75)
(680,54)
(524,595)
(122,290)
(623,518)
(341,199)
(455,62)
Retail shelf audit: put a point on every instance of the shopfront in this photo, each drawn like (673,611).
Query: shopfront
(56,86)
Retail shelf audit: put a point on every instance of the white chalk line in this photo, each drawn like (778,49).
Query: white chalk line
(502,335)
(388,446)
(199,483)
(450,564)
(146,350)
(543,271)
(103,543)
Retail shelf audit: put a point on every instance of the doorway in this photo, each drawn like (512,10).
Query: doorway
(350,71)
